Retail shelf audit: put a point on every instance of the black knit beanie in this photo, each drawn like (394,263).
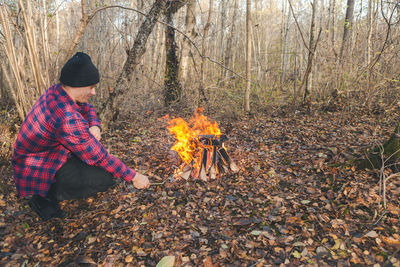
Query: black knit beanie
(79,71)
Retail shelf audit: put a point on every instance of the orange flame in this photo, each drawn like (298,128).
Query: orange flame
(187,144)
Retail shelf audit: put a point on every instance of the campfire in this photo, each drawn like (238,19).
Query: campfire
(200,145)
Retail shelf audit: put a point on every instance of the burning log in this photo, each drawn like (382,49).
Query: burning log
(228,160)
(203,166)
(186,172)
(213,170)
(200,145)
(214,159)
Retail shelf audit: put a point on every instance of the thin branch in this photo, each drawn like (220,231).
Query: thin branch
(298,26)
(384,46)
(169,25)
(309,65)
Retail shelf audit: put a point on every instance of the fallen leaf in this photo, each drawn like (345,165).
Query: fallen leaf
(371,234)
(391,241)
(208,262)
(167,261)
(296,254)
(255,232)
(336,245)
(129,258)
(109,261)
(91,240)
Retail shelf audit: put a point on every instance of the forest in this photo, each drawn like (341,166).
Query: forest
(297,157)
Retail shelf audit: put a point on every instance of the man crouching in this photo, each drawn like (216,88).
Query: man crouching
(58,155)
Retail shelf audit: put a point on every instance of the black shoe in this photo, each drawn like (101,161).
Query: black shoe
(45,208)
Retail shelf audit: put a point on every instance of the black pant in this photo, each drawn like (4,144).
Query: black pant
(76,180)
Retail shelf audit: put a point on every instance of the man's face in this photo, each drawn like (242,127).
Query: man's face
(82,94)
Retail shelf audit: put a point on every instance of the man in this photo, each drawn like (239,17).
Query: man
(57,154)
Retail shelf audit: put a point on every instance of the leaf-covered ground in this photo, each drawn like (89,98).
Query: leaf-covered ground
(292,202)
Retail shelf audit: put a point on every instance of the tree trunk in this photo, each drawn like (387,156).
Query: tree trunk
(202,95)
(228,53)
(44,46)
(186,46)
(79,33)
(248,57)
(223,4)
(348,24)
(332,29)
(285,30)
(370,18)
(159,56)
(311,51)
(109,109)
(172,87)
(57,37)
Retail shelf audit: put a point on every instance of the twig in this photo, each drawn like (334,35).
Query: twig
(380,218)
(384,46)
(259,261)
(151,184)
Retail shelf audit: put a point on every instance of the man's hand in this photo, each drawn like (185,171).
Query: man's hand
(95,131)
(140,181)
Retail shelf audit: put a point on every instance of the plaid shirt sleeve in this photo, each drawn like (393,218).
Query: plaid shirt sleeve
(89,114)
(73,133)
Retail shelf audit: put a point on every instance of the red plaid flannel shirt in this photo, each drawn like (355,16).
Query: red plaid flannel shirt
(54,128)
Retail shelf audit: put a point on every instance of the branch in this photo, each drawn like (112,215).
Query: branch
(378,56)
(176,5)
(298,26)
(84,22)
(169,25)
(309,64)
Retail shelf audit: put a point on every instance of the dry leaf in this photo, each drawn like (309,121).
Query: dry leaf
(391,241)
(208,262)
(167,261)
(129,258)
(109,261)
(372,234)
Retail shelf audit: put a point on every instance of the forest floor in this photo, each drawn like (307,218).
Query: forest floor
(291,203)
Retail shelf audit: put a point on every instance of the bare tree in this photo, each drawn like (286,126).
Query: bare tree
(311,50)
(284,40)
(223,4)
(23,49)
(248,57)
(229,52)
(370,19)
(332,28)
(348,23)
(110,109)
(186,45)
(172,87)
(202,95)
